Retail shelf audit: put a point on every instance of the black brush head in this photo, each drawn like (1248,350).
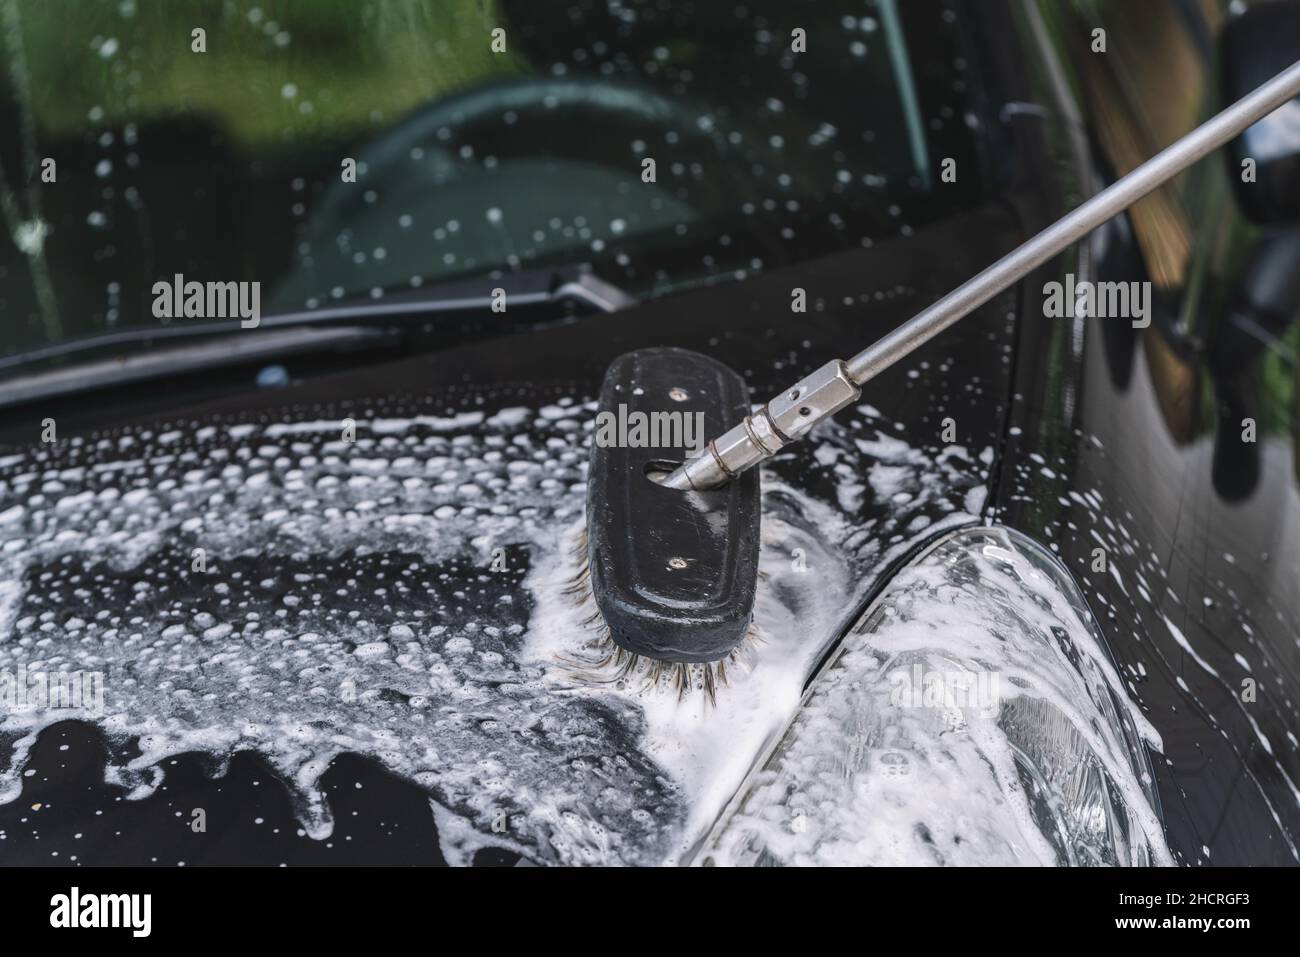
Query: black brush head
(674,573)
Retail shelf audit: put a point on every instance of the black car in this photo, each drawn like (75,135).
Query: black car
(292,580)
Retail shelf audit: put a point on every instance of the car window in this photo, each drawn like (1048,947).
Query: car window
(146,139)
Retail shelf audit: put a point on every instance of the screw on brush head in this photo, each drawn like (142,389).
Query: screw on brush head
(674,576)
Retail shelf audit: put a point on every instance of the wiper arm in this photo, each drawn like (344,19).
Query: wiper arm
(528,288)
(190,357)
(346,324)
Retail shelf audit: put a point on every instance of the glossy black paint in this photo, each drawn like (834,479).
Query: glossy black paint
(1257,46)
(1110,447)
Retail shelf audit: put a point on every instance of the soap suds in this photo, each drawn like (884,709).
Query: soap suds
(1049,769)
(272,586)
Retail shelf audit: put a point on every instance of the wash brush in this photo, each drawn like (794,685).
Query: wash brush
(668,578)
(670,557)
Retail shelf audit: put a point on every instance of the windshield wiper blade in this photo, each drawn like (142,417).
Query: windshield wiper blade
(180,359)
(527,288)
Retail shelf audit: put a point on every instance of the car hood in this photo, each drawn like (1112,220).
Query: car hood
(333,617)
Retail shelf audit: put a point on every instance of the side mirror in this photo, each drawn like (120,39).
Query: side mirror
(1254,47)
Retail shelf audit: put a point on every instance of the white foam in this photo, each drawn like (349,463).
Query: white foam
(865,777)
(440,672)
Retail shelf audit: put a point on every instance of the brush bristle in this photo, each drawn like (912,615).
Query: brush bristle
(603,662)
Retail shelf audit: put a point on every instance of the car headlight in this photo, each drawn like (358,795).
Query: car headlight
(971,716)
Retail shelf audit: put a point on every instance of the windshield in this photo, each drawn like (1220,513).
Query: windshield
(333,149)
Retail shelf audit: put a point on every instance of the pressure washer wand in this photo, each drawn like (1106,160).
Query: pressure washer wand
(816,397)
